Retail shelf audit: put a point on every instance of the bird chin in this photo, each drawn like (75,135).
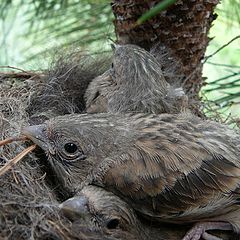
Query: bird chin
(61,174)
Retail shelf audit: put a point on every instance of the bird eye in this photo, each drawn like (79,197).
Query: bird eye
(112,65)
(70,148)
(113,223)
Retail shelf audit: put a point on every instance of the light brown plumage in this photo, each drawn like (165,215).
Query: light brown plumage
(170,168)
(135,83)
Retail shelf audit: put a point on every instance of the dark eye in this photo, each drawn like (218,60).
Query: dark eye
(112,65)
(70,147)
(113,223)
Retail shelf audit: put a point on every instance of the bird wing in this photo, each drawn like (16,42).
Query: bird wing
(177,174)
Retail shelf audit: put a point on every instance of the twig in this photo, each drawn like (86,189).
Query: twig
(42,177)
(16,159)
(206,58)
(16,68)
(25,75)
(59,228)
(222,47)
(15,177)
(12,139)
(223,65)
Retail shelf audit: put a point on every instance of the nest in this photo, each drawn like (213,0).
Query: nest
(29,199)
(29,205)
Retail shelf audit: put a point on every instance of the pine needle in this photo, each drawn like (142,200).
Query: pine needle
(16,159)
(12,139)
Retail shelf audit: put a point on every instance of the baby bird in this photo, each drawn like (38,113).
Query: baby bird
(173,168)
(101,209)
(135,83)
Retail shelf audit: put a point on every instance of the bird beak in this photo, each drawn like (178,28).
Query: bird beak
(75,208)
(37,134)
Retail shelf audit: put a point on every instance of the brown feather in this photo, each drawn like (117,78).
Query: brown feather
(174,168)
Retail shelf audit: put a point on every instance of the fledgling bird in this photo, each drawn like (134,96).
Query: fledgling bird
(135,83)
(174,168)
(101,209)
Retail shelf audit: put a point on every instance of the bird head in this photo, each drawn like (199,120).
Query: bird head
(134,64)
(100,209)
(76,144)
(140,85)
(134,83)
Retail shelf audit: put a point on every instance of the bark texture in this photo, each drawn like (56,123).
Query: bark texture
(182,28)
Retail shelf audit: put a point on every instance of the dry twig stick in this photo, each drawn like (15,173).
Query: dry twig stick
(15,68)
(16,159)
(23,75)
(12,139)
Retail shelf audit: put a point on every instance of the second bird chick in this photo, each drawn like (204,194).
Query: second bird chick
(101,209)
(135,83)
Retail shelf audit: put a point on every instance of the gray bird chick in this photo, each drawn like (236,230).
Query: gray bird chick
(173,168)
(101,209)
(135,83)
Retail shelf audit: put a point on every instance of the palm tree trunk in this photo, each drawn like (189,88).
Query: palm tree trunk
(182,28)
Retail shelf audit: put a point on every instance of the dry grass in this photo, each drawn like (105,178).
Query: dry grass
(28,204)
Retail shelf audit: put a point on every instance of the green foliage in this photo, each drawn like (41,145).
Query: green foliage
(54,24)
(222,70)
(155,10)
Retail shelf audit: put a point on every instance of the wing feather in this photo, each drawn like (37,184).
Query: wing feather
(169,174)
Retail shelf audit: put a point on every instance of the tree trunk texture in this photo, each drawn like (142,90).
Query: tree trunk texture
(182,28)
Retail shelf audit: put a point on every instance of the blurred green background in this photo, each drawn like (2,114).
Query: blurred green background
(31,30)
(223,69)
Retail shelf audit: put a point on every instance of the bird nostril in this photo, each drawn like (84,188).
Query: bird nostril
(113,223)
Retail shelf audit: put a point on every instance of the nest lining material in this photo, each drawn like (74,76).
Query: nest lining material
(29,206)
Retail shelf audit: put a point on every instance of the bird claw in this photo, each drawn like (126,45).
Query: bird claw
(194,233)
(198,231)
